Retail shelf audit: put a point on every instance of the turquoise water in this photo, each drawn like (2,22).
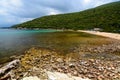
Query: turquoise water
(16,41)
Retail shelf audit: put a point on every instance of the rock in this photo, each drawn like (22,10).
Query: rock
(91,60)
(31,78)
(117,70)
(25,74)
(71,65)
(16,57)
(13,64)
(13,57)
(62,76)
(5,77)
(75,73)
(54,67)
(36,65)
(5,70)
(59,60)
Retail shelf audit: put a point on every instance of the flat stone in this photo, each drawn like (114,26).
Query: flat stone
(62,76)
(31,78)
(59,60)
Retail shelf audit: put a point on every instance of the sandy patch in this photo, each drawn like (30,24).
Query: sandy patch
(105,34)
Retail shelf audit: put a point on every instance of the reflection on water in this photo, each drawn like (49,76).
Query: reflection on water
(16,41)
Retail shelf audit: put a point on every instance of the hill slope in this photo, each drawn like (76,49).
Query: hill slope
(106,17)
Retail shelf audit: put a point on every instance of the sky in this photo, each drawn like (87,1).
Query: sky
(17,11)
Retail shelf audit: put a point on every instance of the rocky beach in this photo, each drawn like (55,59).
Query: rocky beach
(84,63)
(59,40)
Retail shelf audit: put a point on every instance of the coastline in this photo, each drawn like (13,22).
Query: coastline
(104,34)
(43,63)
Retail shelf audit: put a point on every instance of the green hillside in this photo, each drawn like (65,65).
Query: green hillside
(106,17)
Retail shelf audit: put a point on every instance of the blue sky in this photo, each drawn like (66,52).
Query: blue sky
(18,11)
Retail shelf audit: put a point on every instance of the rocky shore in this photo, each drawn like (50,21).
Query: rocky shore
(41,63)
(106,51)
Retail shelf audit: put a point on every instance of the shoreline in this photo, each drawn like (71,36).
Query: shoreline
(104,34)
(36,62)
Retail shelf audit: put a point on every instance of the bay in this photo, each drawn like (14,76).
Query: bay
(16,42)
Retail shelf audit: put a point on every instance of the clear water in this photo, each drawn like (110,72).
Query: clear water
(16,41)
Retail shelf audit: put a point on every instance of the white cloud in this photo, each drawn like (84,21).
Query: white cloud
(10,5)
(100,2)
(53,12)
(87,1)
(3,12)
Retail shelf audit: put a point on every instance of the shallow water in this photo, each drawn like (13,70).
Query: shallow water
(17,41)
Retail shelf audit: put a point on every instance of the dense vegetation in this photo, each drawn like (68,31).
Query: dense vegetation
(106,17)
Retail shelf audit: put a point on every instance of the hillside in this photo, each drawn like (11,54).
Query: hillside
(106,17)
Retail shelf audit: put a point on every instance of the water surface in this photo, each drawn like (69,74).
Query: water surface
(17,41)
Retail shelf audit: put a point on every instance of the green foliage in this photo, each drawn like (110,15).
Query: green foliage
(106,17)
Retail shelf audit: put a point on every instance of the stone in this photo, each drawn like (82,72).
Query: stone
(31,78)
(62,76)
(117,70)
(75,73)
(71,65)
(59,60)
(5,77)
(91,60)
(59,67)
(6,69)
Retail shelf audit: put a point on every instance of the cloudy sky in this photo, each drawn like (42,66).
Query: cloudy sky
(17,11)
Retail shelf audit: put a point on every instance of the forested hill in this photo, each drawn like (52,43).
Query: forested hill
(106,17)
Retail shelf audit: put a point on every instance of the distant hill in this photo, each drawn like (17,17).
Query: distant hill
(106,17)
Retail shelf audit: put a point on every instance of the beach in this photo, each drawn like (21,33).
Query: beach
(105,34)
